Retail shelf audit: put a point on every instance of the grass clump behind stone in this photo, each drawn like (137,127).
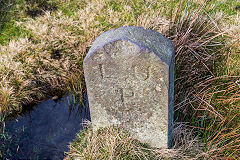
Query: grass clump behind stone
(206,93)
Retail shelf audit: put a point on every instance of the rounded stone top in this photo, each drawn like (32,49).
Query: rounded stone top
(145,38)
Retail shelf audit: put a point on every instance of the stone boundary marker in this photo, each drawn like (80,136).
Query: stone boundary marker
(129,74)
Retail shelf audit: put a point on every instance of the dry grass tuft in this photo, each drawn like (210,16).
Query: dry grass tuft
(194,35)
(35,68)
(206,102)
(117,143)
(113,143)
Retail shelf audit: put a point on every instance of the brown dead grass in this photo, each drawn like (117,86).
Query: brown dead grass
(114,143)
(48,63)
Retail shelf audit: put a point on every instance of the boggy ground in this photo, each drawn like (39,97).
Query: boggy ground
(43,47)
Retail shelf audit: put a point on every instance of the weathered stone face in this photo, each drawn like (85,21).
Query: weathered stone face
(128,84)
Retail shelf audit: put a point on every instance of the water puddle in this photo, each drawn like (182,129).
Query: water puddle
(45,132)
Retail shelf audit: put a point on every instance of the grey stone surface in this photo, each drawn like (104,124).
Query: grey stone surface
(129,74)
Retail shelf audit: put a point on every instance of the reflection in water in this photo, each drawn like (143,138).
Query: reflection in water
(45,132)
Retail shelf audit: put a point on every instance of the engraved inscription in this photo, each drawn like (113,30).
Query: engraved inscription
(121,95)
(124,94)
(101,70)
(142,72)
